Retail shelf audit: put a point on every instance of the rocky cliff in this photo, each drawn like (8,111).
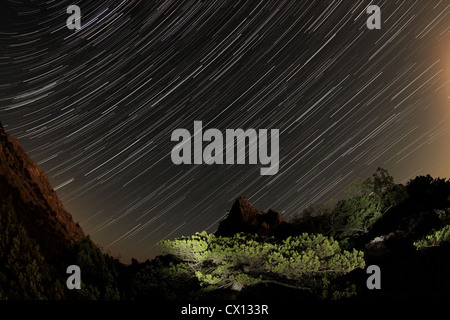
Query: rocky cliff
(26,186)
(244,218)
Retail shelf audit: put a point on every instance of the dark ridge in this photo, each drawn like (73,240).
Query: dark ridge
(244,218)
(25,185)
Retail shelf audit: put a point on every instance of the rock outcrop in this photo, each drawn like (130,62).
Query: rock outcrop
(244,218)
(26,187)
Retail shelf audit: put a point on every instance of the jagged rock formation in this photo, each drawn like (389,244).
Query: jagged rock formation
(244,218)
(26,186)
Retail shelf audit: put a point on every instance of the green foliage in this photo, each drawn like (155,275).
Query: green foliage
(307,261)
(27,274)
(99,275)
(366,203)
(355,215)
(435,239)
(162,279)
(24,273)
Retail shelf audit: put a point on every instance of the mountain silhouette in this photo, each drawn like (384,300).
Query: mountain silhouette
(26,186)
(244,218)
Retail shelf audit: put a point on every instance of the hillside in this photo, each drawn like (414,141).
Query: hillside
(38,208)
(321,253)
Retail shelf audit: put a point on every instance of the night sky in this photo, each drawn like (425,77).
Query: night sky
(96,107)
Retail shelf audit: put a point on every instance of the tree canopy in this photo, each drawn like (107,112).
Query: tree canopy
(307,261)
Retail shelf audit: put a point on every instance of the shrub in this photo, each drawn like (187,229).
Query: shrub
(367,202)
(435,239)
(307,261)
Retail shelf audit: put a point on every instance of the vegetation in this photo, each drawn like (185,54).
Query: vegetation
(316,254)
(306,261)
(99,280)
(163,278)
(367,202)
(435,239)
(23,271)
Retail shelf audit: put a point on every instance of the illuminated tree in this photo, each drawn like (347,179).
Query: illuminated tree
(308,261)
(367,201)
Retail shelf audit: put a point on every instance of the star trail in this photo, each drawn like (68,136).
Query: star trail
(96,107)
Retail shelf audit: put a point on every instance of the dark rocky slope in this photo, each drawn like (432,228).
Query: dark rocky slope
(25,185)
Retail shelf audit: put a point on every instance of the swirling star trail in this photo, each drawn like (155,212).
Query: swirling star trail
(95,107)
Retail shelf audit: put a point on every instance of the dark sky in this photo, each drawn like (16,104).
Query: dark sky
(95,108)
